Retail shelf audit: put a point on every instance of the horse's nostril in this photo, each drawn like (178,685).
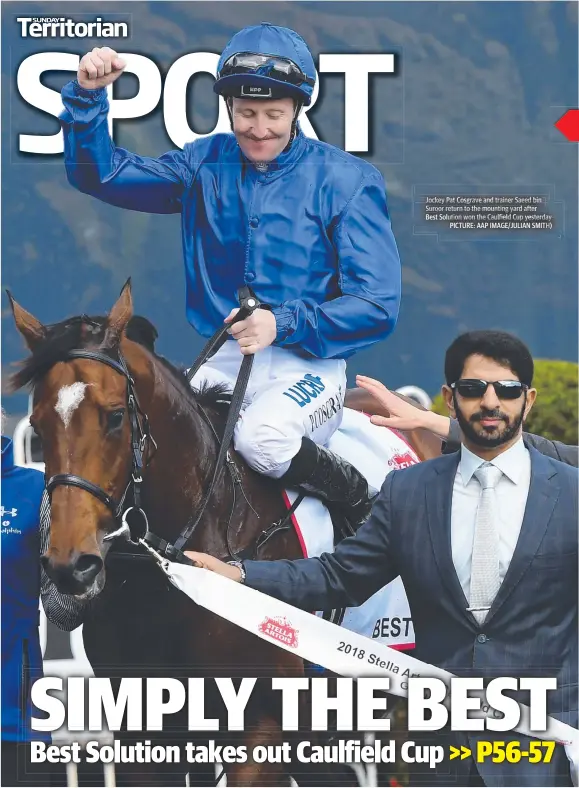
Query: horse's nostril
(87,567)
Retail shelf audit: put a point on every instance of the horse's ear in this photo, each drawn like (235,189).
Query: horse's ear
(30,327)
(118,317)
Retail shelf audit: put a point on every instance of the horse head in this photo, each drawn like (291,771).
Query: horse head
(82,414)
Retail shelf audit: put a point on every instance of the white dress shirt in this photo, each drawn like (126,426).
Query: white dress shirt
(511,498)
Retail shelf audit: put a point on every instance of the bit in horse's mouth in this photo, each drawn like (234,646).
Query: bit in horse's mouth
(87,595)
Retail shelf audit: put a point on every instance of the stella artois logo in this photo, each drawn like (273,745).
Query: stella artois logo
(403,460)
(279,629)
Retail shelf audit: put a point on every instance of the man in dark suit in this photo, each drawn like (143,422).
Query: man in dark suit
(485,541)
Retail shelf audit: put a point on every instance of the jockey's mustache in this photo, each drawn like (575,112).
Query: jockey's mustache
(253,138)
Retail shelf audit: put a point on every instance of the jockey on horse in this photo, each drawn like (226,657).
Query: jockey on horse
(302,222)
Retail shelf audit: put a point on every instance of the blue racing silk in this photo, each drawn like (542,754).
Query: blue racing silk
(309,232)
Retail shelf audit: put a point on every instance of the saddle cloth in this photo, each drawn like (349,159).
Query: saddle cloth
(374,451)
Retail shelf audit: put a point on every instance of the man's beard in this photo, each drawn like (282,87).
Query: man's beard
(489,438)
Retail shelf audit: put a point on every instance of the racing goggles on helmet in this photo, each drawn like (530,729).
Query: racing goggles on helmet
(275,67)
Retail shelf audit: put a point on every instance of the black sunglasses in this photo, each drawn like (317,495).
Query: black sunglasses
(471,388)
(280,68)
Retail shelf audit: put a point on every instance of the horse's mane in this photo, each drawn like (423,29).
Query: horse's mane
(89,332)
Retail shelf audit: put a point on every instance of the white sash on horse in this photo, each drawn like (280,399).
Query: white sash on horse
(374,451)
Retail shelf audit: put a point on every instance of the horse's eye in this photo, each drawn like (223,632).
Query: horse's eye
(115,420)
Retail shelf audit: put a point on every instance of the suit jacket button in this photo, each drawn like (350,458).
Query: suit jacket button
(482,638)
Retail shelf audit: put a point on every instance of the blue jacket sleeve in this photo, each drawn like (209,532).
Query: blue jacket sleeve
(95,166)
(360,566)
(369,280)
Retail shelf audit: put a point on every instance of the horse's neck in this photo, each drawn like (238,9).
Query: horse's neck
(425,444)
(186,446)
(183,467)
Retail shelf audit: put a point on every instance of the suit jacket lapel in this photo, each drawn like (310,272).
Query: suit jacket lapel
(543,495)
(439,507)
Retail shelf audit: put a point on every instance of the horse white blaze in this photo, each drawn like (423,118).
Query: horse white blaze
(69,398)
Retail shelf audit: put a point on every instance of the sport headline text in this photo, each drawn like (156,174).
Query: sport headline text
(356,68)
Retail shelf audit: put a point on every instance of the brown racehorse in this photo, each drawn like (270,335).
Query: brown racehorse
(136,623)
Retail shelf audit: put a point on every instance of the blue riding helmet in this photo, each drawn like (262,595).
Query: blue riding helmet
(266,61)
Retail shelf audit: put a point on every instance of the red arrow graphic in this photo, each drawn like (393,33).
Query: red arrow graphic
(568,125)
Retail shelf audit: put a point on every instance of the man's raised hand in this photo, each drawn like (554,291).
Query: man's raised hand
(403,415)
(99,67)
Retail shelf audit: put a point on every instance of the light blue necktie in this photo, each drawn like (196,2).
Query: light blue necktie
(484,574)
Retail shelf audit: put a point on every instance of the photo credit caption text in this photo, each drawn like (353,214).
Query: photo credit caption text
(487,212)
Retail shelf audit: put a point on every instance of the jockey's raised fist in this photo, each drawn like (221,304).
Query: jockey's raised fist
(99,68)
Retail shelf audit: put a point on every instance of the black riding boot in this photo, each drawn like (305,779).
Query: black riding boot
(317,470)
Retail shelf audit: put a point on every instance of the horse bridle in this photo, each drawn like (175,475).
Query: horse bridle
(141,438)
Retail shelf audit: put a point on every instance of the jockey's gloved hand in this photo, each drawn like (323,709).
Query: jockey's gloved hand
(255,332)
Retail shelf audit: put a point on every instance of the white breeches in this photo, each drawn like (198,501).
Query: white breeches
(288,397)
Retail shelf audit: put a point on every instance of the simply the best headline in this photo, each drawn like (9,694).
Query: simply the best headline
(358,704)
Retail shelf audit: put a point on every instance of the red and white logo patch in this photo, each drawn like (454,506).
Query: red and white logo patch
(279,629)
(402,460)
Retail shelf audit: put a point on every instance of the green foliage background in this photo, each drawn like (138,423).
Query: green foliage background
(555,413)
